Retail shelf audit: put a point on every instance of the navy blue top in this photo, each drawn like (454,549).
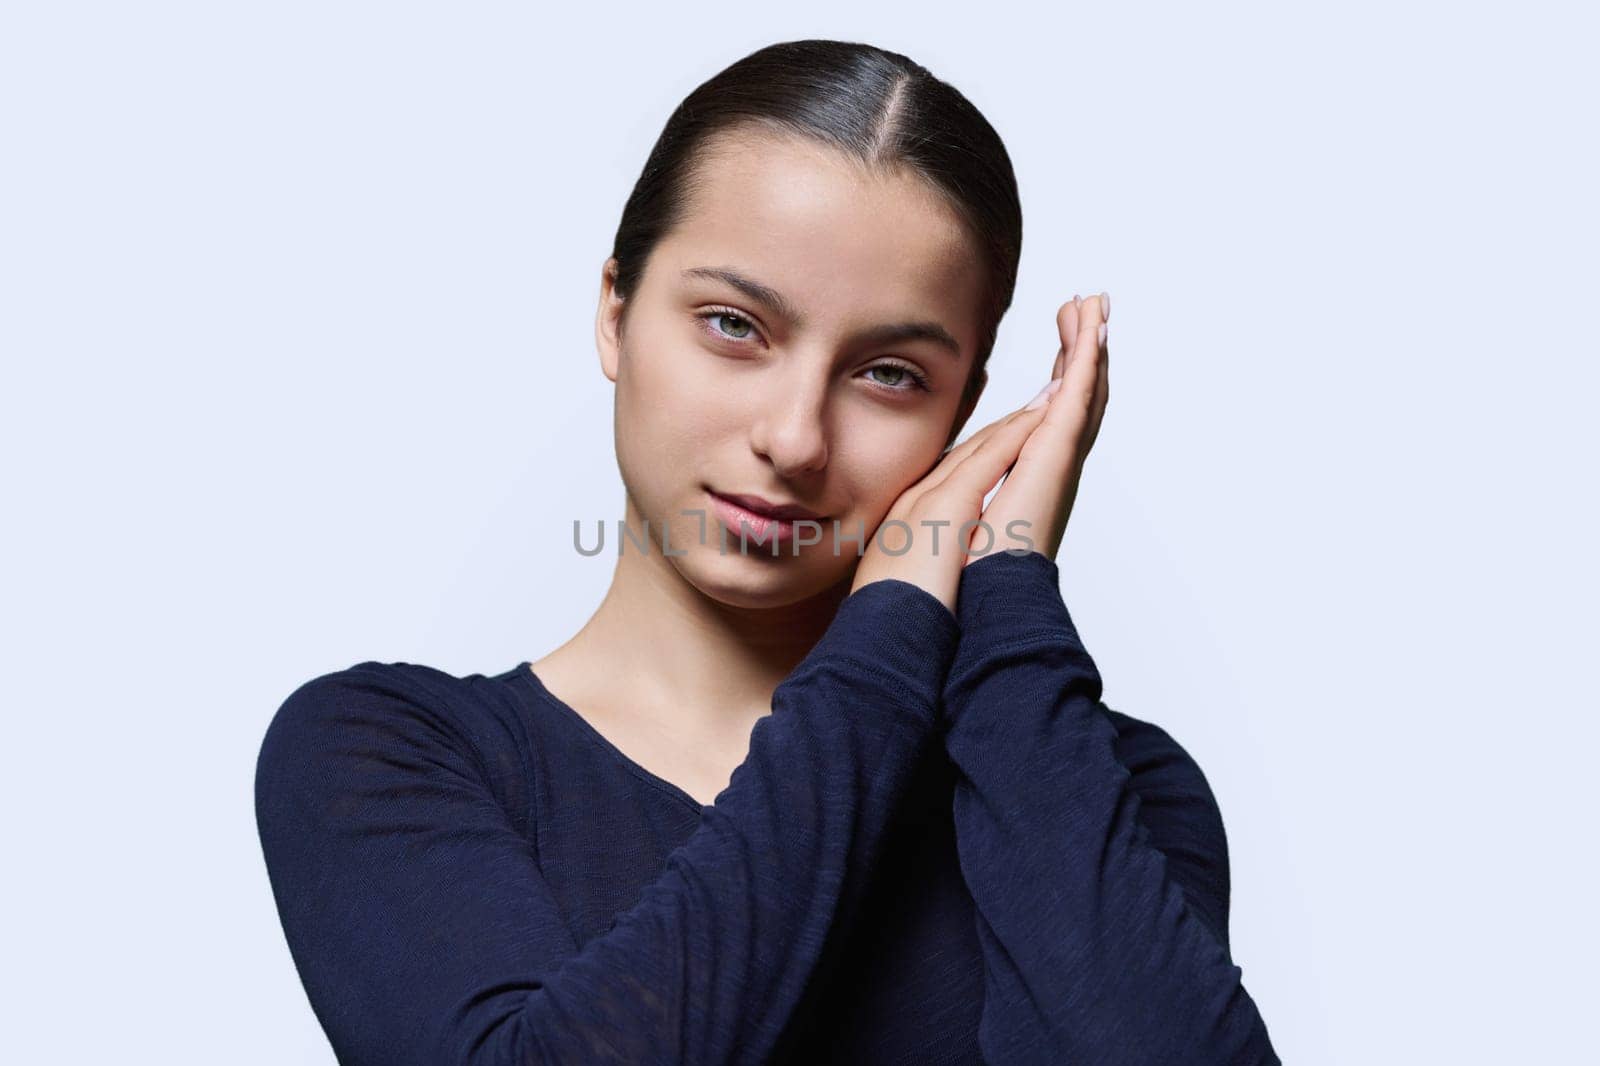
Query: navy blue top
(942,847)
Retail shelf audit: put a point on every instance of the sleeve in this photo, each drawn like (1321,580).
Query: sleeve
(423,929)
(1102,924)
(1178,816)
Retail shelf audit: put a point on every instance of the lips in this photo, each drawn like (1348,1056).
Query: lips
(787,512)
(739,514)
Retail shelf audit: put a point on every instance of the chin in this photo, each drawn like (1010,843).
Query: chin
(759,580)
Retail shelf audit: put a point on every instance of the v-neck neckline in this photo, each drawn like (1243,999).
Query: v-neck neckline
(533,682)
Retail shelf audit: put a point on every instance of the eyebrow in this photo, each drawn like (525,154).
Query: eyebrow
(775,302)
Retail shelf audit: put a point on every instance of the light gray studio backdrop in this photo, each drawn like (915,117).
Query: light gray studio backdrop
(299,371)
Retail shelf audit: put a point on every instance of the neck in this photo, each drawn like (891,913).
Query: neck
(661,643)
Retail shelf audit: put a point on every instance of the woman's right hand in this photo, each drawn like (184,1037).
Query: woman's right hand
(948,497)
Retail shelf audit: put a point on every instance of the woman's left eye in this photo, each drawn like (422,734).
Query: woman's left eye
(903,372)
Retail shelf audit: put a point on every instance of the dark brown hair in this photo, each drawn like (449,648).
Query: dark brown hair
(879,108)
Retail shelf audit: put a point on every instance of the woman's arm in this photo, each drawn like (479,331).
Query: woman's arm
(425,933)
(1098,946)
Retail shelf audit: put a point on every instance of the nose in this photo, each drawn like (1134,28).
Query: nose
(790,429)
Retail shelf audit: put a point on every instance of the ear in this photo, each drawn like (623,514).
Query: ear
(608,321)
(969,403)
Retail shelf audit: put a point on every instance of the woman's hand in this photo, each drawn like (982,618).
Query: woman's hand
(935,508)
(1041,488)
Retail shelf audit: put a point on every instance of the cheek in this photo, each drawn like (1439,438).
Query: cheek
(882,458)
(666,393)
(671,414)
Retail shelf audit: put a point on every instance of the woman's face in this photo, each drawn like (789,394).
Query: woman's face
(804,335)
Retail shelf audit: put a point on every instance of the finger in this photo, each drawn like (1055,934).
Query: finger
(1080,379)
(1072,416)
(960,451)
(1091,313)
(1067,322)
(1043,482)
(971,478)
(1067,326)
(1102,396)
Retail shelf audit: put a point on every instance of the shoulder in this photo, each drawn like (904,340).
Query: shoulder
(375,695)
(1178,811)
(377,725)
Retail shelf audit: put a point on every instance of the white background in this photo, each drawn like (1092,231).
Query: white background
(297,323)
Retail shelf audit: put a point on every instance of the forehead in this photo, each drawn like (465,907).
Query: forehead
(838,241)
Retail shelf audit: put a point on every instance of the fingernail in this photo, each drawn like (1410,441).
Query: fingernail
(1044,395)
(1102,334)
(1105,306)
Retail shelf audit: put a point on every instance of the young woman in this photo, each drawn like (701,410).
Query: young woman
(826,777)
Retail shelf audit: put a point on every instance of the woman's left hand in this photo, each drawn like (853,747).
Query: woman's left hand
(1043,483)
